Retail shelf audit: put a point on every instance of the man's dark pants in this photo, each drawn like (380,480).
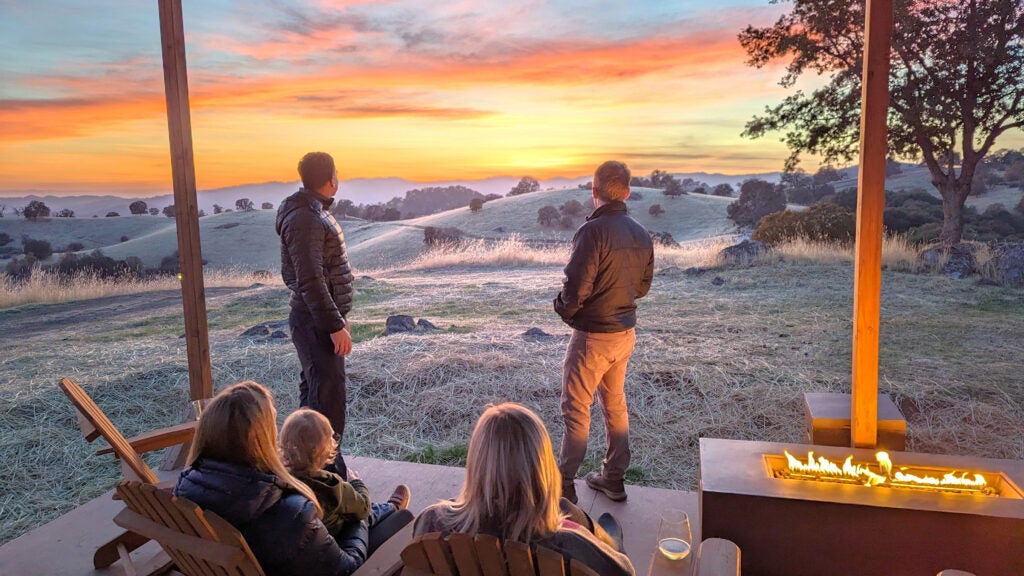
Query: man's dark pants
(322,383)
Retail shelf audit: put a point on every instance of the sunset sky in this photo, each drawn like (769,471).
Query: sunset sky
(426,91)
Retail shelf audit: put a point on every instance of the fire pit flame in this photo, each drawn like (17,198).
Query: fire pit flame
(821,468)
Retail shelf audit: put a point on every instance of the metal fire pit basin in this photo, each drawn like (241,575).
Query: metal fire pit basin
(793,527)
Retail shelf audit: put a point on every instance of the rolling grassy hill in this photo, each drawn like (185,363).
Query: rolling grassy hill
(248,240)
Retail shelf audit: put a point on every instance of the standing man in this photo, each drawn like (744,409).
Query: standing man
(612,264)
(315,268)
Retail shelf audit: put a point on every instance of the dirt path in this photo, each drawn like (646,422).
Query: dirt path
(35,320)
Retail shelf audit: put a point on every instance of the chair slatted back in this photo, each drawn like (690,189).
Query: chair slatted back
(133,464)
(483,555)
(199,542)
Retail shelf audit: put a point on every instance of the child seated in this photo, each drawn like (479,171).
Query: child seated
(307,445)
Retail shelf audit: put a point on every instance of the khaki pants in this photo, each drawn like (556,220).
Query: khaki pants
(595,362)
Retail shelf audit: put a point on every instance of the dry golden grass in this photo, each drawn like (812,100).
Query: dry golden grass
(49,287)
(729,361)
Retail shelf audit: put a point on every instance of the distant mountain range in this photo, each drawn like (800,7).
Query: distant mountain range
(358,190)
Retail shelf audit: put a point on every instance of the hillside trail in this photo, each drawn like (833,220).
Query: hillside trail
(27,322)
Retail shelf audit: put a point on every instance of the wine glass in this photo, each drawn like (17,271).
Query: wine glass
(674,537)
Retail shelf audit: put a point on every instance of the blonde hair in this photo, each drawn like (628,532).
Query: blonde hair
(306,441)
(512,479)
(239,426)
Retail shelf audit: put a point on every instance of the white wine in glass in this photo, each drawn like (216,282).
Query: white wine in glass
(674,548)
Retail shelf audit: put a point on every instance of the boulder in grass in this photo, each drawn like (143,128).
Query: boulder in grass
(536,334)
(743,253)
(426,324)
(399,323)
(1008,263)
(256,331)
(954,261)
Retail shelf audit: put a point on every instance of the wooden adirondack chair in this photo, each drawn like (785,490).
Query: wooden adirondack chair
(482,555)
(199,542)
(718,557)
(94,423)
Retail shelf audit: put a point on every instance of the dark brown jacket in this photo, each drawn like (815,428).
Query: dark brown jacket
(314,264)
(612,264)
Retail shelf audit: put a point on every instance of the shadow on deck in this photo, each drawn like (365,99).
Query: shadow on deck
(64,547)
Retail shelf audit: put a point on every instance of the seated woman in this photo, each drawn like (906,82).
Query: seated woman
(512,491)
(236,472)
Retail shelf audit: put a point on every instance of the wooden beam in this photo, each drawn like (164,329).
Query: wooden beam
(867,273)
(179,127)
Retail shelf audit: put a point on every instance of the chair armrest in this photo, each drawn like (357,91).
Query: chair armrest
(159,439)
(718,557)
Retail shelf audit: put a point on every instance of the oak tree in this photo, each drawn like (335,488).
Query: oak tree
(956,84)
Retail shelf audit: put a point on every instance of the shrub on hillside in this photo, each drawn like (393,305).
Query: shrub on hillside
(819,223)
(5,239)
(758,198)
(73,247)
(476,204)
(169,211)
(125,238)
(65,213)
(525,186)
(673,187)
(722,190)
(567,222)
(655,210)
(632,195)
(267,206)
(244,205)
(547,215)
(663,239)
(434,236)
(19,269)
(572,208)
(99,264)
(112,215)
(40,249)
(138,207)
(35,209)
(154,211)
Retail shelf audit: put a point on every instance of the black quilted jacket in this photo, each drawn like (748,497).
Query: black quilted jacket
(280,526)
(612,264)
(314,264)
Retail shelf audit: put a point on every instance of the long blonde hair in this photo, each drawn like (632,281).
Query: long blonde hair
(512,479)
(307,441)
(240,426)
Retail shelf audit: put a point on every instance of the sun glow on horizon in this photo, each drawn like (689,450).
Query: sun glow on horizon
(462,91)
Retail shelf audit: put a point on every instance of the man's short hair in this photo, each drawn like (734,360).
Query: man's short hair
(611,181)
(316,169)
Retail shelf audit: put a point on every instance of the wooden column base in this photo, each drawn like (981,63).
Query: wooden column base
(827,415)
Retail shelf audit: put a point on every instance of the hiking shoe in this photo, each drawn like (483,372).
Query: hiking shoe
(569,492)
(613,489)
(400,497)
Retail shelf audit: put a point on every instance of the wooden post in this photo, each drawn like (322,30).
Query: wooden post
(867,272)
(179,126)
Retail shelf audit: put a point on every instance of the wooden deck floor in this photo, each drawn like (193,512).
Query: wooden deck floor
(64,547)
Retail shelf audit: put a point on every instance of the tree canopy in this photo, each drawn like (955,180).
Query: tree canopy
(956,84)
(525,186)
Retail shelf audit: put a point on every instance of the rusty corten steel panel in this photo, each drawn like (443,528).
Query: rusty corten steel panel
(801,528)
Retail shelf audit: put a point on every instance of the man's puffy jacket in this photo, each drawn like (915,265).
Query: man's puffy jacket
(314,264)
(280,525)
(612,264)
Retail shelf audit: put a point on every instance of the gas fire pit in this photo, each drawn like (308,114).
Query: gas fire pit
(799,510)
